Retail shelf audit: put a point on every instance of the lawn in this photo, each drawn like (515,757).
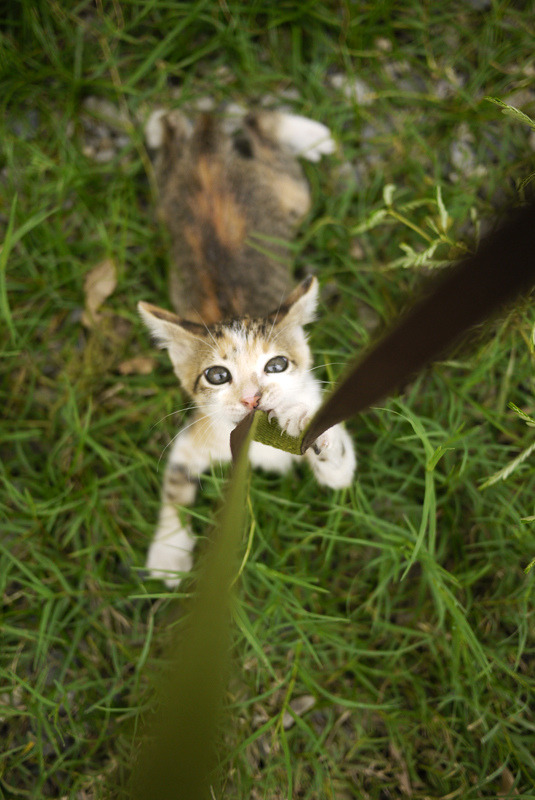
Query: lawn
(383,636)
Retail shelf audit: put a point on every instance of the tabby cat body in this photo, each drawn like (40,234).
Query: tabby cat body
(231,202)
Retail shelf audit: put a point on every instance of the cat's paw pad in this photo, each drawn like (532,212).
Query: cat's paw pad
(305,137)
(170,554)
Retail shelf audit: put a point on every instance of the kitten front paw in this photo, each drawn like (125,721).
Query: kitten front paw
(169,553)
(332,458)
(292,417)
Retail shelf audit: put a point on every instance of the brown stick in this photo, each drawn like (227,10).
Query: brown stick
(502,268)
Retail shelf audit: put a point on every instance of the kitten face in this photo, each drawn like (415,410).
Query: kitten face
(246,364)
(230,368)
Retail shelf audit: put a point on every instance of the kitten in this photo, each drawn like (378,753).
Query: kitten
(231,202)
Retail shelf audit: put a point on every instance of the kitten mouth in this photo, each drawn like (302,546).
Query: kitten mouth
(244,412)
(240,415)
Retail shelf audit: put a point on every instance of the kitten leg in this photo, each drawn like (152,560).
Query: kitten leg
(171,548)
(163,124)
(332,458)
(166,135)
(303,136)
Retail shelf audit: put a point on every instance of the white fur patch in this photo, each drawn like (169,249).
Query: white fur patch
(305,137)
(334,466)
(154,129)
(269,458)
(171,549)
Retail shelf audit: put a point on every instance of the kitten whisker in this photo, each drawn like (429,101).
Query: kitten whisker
(181,431)
(329,364)
(281,331)
(276,316)
(208,331)
(172,414)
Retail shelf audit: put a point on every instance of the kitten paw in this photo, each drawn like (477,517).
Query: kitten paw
(170,552)
(305,137)
(332,458)
(292,417)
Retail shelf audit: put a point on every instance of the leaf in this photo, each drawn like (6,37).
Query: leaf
(508,784)
(522,414)
(504,473)
(99,284)
(388,194)
(376,218)
(299,706)
(139,365)
(512,111)
(176,757)
(415,259)
(443,214)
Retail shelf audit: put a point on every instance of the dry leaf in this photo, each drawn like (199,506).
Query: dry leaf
(508,783)
(139,365)
(99,283)
(299,706)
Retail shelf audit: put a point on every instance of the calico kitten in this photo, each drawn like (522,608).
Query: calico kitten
(231,202)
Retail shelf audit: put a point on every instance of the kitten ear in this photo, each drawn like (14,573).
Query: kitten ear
(179,337)
(300,306)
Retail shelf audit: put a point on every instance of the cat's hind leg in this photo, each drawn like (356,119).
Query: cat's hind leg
(167,134)
(303,137)
(163,125)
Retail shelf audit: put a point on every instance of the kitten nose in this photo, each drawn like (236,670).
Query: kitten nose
(250,401)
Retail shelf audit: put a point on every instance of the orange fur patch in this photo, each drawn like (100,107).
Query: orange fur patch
(215,203)
(209,310)
(215,212)
(293,195)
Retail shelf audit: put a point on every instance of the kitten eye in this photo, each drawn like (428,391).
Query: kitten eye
(217,375)
(277,364)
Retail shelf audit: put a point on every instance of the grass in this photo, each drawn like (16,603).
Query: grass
(402,609)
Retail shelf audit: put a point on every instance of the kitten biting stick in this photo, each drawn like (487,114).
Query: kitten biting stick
(238,341)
